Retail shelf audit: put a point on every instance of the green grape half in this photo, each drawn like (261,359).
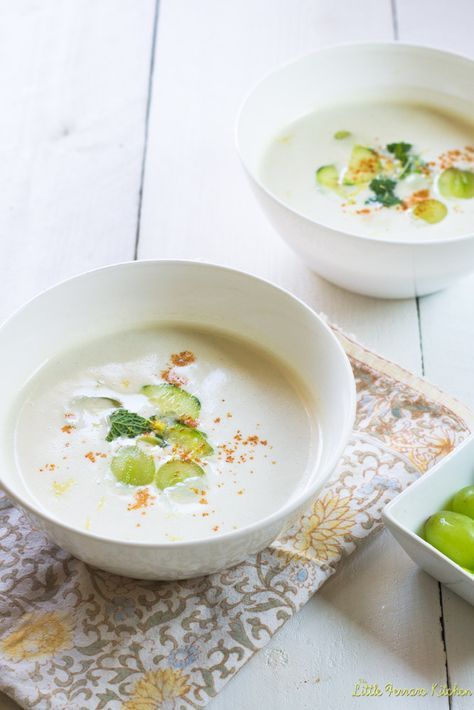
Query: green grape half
(431,211)
(463,502)
(453,535)
(456,183)
(131,465)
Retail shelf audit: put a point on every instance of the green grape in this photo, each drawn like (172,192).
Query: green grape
(431,211)
(340,135)
(131,465)
(453,535)
(457,183)
(176,471)
(463,502)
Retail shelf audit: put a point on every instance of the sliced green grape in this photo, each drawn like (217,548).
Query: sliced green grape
(131,465)
(172,400)
(328,176)
(340,135)
(189,440)
(453,535)
(432,211)
(456,183)
(463,502)
(364,165)
(176,471)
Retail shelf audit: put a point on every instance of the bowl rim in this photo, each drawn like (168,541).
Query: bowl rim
(343,46)
(391,519)
(282,512)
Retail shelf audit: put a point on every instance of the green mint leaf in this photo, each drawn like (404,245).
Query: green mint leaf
(383,189)
(400,151)
(127,424)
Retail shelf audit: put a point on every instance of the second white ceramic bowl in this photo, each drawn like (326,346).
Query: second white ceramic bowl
(375,267)
(125,295)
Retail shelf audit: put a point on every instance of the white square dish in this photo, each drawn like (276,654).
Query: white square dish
(405,515)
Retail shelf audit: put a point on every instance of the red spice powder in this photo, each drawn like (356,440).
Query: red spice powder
(67,428)
(186,357)
(189,422)
(172,377)
(91,456)
(143,499)
(238,448)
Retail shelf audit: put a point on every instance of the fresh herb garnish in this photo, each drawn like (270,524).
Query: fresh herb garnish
(127,424)
(402,152)
(383,189)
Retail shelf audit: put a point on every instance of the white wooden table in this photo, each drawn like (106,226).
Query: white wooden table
(116,140)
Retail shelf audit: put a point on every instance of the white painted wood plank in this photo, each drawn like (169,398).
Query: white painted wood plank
(447,318)
(446,24)
(74,90)
(197,204)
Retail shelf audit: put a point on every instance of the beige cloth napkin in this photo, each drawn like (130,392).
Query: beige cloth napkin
(77,638)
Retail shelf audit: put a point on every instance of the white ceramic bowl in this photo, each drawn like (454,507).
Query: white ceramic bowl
(112,298)
(375,267)
(406,514)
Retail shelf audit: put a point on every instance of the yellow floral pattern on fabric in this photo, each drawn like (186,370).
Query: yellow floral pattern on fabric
(320,534)
(38,636)
(157,688)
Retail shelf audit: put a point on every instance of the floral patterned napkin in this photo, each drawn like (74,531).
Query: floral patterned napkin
(78,638)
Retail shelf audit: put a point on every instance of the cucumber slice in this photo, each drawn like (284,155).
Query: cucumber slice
(176,471)
(190,440)
(328,176)
(131,465)
(432,211)
(457,183)
(173,401)
(364,165)
(95,405)
(340,135)
(152,440)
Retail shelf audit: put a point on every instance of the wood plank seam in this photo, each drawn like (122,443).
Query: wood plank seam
(147,124)
(393,4)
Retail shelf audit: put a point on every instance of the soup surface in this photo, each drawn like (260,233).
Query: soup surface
(395,167)
(162,434)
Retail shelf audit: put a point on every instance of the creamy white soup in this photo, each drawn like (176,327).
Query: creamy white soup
(399,166)
(164,433)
